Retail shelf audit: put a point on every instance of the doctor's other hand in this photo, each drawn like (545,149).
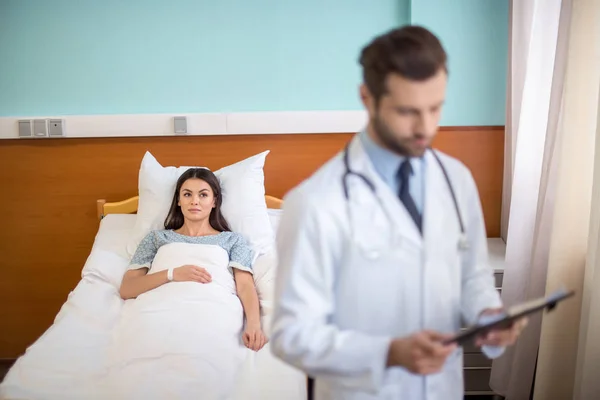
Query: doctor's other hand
(253,337)
(502,337)
(421,353)
(191,273)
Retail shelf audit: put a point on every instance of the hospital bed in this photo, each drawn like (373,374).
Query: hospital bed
(68,361)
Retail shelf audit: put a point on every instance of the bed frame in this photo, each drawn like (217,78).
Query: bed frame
(130,206)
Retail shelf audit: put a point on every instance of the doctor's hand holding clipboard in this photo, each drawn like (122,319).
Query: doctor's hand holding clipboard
(502,327)
(421,353)
(426,352)
(382,253)
(500,337)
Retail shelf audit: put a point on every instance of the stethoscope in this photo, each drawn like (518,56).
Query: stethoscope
(463,242)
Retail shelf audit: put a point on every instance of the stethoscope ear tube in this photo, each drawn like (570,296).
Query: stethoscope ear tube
(348,172)
(451,188)
(463,241)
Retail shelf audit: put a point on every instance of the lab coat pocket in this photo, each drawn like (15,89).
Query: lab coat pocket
(372,233)
(453,368)
(452,375)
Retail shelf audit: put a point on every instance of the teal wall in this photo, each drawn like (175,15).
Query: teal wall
(475,35)
(65,57)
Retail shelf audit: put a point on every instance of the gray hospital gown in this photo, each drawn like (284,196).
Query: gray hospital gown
(240,253)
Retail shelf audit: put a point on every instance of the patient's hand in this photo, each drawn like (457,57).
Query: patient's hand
(191,273)
(253,337)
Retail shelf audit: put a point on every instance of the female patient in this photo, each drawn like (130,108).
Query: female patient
(195,218)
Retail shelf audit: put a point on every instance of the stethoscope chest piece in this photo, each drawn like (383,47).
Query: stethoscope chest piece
(463,242)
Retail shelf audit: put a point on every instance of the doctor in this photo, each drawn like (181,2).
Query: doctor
(382,252)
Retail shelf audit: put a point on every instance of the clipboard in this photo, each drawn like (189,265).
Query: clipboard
(504,320)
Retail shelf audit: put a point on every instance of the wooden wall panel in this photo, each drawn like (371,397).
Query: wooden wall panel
(49,188)
(481,149)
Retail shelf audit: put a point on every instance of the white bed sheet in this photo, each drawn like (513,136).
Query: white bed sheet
(69,360)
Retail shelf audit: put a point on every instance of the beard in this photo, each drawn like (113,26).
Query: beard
(393,143)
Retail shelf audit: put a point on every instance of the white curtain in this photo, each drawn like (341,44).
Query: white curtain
(531,134)
(587,377)
(517,65)
(554,80)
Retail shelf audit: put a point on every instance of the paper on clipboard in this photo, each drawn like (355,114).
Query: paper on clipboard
(537,303)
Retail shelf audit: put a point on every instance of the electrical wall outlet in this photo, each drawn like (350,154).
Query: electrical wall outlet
(180,125)
(56,127)
(40,128)
(25,129)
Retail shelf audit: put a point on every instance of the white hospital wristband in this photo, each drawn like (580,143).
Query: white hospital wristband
(170,274)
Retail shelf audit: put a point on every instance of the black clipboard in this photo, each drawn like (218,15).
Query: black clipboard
(506,319)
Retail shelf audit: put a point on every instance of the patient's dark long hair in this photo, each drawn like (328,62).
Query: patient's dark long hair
(175,218)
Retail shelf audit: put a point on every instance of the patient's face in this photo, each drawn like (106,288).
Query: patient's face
(196,199)
(407,117)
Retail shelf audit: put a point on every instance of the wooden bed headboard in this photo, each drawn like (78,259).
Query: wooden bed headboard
(50,188)
(130,205)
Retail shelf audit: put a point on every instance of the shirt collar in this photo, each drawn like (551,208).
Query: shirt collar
(385,162)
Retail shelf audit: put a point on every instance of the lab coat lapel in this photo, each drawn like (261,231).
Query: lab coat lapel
(438,203)
(359,162)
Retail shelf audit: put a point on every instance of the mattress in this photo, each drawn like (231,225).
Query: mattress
(69,360)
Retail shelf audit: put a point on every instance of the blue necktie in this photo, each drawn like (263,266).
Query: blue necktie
(404,173)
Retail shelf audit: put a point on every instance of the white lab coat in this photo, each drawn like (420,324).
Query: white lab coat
(343,294)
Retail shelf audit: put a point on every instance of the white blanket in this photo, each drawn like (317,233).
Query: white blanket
(71,359)
(181,340)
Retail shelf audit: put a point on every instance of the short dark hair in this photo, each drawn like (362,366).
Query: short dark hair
(412,52)
(175,217)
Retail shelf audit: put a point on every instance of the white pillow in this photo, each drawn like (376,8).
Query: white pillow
(243,205)
(274,217)
(264,270)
